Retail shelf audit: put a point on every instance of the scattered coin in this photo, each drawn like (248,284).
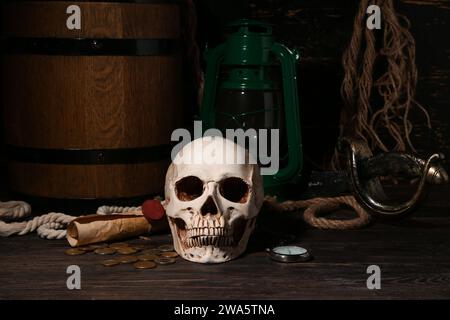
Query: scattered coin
(110,263)
(169,254)
(166,247)
(86,248)
(105,251)
(126,250)
(127,259)
(139,246)
(98,245)
(164,261)
(152,251)
(74,252)
(144,265)
(147,257)
(118,245)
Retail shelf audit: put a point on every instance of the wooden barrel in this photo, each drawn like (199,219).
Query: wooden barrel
(92,93)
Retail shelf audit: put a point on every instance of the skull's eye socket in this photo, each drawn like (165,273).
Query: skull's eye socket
(234,189)
(189,188)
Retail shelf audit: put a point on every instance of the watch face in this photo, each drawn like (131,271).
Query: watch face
(289,250)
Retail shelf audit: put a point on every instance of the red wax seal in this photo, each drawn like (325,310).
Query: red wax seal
(153,210)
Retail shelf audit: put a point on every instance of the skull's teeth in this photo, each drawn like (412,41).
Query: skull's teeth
(209,221)
(212,231)
(206,236)
(201,241)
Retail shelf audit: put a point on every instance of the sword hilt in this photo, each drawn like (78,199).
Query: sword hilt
(364,171)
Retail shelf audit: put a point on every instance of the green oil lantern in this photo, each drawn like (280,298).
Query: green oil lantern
(251,82)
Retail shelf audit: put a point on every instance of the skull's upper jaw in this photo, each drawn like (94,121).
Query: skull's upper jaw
(211,242)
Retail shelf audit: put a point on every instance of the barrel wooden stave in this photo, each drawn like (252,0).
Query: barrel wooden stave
(104,104)
(99,20)
(87,181)
(86,102)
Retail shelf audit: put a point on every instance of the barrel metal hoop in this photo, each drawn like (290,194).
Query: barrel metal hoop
(89,156)
(90,47)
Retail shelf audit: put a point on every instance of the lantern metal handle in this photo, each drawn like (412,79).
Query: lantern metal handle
(291,172)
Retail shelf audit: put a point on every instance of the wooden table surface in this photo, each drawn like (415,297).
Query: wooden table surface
(414,257)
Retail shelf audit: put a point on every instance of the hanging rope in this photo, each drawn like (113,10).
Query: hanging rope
(48,226)
(393,51)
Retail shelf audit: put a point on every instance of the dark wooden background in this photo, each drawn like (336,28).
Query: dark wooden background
(321,30)
(414,254)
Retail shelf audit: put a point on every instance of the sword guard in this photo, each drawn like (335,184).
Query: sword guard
(364,171)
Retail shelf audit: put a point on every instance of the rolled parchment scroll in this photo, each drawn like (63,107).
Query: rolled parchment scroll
(99,228)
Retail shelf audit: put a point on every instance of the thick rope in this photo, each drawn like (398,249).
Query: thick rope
(13,210)
(48,226)
(103,210)
(316,207)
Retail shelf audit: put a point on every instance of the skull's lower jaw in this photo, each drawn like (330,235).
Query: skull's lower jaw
(216,245)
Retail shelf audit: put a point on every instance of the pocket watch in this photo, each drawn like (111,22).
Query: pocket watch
(288,254)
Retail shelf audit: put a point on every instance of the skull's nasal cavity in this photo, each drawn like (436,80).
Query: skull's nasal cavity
(209,207)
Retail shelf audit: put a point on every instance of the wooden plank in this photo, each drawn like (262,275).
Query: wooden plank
(413,257)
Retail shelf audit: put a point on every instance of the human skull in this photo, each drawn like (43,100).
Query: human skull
(213,193)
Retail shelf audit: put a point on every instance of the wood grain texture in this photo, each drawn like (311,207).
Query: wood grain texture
(413,257)
(99,20)
(91,102)
(88,181)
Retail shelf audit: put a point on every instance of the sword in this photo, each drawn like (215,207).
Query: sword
(361,177)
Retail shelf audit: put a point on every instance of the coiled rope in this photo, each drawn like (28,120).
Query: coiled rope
(316,208)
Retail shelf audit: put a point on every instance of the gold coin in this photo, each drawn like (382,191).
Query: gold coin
(127,259)
(87,248)
(105,251)
(166,247)
(152,251)
(119,245)
(140,246)
(110,263)
(74,252)
(164,261)
(98,245)
(147,257)
(144,265)
(169,254)
(126,250)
